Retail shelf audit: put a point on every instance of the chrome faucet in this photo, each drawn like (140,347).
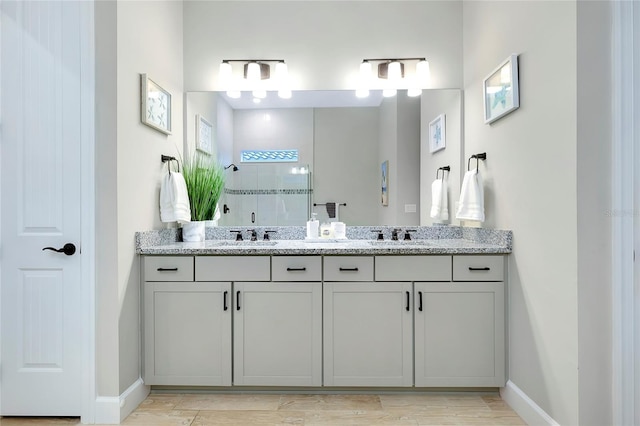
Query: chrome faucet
(394,234)
(254,234)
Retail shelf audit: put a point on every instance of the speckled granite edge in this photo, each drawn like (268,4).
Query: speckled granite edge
(453,239)
(489,236)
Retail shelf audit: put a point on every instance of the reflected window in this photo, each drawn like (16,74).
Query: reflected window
(269,156)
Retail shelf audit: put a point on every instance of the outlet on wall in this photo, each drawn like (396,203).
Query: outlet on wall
(409,208)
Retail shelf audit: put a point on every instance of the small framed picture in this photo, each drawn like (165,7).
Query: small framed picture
(437,134)
(204,135)
(501,90)
(156,105)
(384,169)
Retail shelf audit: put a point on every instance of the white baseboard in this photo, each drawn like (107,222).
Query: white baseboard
(111,410)
(526,408)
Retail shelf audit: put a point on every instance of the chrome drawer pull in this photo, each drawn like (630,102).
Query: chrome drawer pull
(167,269)
(486,268)
(348,269)
(296,269)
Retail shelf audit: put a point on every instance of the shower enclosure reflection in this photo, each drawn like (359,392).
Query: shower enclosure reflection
(267,194)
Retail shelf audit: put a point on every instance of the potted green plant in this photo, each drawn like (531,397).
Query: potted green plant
(204,178)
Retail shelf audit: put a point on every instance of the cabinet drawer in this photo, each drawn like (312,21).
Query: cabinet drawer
(478,268)
(413,268)
(233,268)
(168,268)
(348,268)
(296,268)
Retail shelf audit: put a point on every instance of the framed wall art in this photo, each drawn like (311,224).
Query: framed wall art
(437,134)
(385,182)
(155,105)
(204,135)
(500,90)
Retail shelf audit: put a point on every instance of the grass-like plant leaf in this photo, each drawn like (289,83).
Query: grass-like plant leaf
(205,182)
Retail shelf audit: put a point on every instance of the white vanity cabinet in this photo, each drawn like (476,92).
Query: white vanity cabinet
(367,326)
(277,332)
(329,320)
(187,325)
(459,326)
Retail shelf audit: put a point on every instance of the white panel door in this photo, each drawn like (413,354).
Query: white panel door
(368,334)
(40,172)
(277,334)
(459,334)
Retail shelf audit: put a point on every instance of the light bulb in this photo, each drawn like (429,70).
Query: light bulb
(423,73)
(224,75)
(365,71)
(414,92)
(253,71)
(394,71)
(388,93)
(282,72)
(234,94)
(260,93)
(362,93)
(284,93)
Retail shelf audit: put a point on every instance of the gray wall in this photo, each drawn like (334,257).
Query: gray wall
(106,149)
(594,153)
(346,165)
(323,42)
(432,104)
(399,143)
(547,179)
(141,24)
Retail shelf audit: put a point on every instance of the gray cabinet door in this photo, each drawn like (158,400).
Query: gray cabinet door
(459,334)
(277,334)
(368,334)
(187,333)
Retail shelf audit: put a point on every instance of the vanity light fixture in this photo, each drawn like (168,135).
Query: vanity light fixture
(256,77)
(393,71)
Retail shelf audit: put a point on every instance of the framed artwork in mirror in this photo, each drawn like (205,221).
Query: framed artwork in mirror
(500,90)
(204,135)
(155,105)
(385,182)
(437,134)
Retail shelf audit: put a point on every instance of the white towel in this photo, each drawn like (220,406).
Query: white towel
(439,200)
(471,205)
(174,200)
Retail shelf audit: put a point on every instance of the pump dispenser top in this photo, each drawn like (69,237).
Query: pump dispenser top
(313,227)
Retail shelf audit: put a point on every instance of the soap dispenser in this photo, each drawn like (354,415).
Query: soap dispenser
(312,227)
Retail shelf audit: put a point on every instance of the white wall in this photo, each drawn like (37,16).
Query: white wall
(530,178)
(346,168)
(323,42)
(284,128)
(432,104)
(149,40)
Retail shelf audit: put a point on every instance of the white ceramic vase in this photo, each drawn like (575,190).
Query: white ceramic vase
(193,231)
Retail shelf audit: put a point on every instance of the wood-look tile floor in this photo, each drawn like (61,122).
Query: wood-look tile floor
(161,409)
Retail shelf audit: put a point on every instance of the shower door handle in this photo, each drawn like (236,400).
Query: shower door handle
(253,217)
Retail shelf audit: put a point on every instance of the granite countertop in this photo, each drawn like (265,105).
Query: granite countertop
(427,240)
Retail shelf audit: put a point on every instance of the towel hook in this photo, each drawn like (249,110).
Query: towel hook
(445,168)
(169,159)
(481,156)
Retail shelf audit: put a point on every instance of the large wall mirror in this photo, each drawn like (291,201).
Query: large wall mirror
(297,155)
